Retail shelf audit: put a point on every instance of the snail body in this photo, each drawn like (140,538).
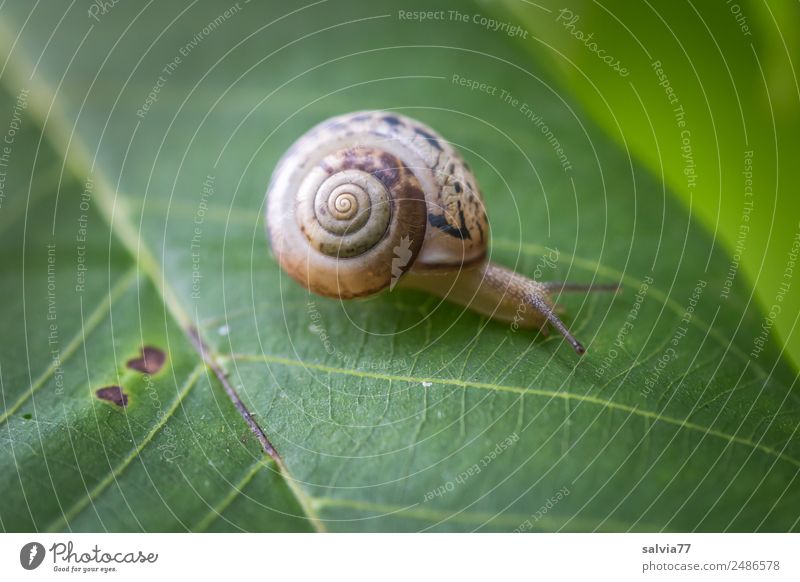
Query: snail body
(373,199)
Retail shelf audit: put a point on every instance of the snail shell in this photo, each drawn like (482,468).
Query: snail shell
(362,198)
(369,199)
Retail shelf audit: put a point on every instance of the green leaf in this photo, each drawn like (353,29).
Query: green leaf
(397,412)
(171,457)
(727,72)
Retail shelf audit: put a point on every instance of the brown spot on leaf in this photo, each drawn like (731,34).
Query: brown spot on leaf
(150,360)
(113,394)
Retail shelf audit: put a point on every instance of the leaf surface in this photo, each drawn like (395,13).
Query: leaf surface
(397,412)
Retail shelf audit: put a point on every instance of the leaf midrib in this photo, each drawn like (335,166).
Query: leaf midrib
(51,119)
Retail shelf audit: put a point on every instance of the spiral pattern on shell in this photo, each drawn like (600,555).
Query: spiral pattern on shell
(346,211)
(346,214)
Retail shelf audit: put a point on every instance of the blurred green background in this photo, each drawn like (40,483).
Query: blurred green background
(732,68)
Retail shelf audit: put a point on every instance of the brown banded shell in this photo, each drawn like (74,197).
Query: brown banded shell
(341,207)
(360,198)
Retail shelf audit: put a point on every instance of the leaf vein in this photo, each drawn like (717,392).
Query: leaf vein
(118,469)
(658,417)
(72,346)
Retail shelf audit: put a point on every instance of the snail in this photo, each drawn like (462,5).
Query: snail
(369,200)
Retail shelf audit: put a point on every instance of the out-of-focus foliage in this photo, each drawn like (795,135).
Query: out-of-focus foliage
(732,68)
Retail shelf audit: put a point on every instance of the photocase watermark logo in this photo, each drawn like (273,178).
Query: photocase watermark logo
(402,256)
(67,558)
(100,8)
(31,555)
